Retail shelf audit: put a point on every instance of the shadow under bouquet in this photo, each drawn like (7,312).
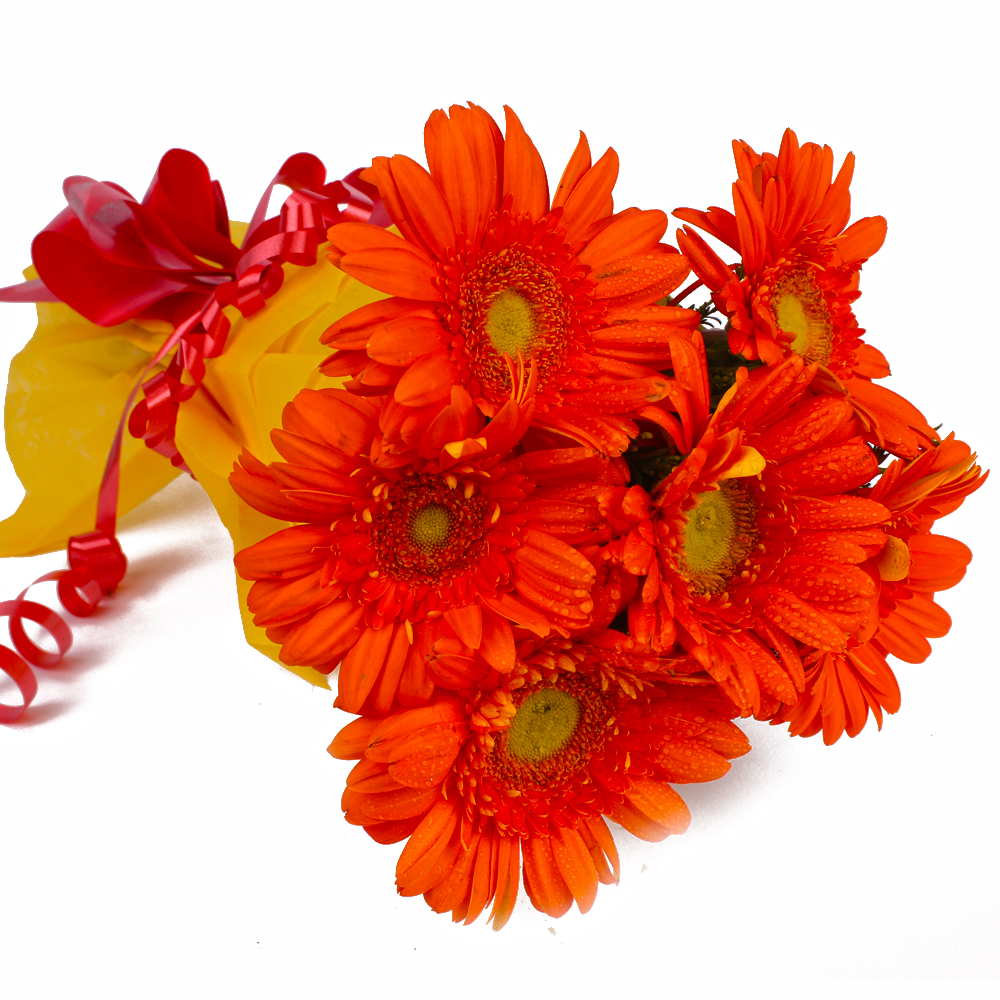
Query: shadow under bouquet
(556,500)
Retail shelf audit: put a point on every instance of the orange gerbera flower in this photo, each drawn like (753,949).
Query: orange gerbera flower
(403,572)
(750,544)
(530,769)
(913,565)
(800,273)
(488,269)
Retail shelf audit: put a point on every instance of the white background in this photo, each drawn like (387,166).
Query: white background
(169,819)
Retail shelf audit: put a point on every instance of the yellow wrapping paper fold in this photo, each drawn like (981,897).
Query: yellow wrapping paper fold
(67,388)
(65,395)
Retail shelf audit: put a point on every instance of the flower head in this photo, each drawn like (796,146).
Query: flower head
(751,545)
(800,268)
(489,269)
(405,571)
(529,769)
(912,565)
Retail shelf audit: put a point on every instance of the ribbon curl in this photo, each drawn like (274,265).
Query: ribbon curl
(167,258)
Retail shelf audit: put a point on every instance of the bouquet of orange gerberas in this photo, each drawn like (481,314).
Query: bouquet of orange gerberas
(556,528)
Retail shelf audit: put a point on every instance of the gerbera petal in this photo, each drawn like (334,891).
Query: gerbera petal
(543,881)
(632,234)
(660,803)
(524,179)
(601,844)
(453,890)
(638,823)
(684,762)
(361,668)
(428,769)
(290,552)
(353,237)
(517,611)
(921,612)
(427,381)
(352,741)
(576,866)
(425,206)
(836,204)
(706,263)
(497,644)
(262,492)
(640,279)
(834,512)
(587,202)
(451,156)
(862,240)
(716,222)
(808,425)
(751,227)
(351,333)
(280,602)
(938,562)
(403,725)
(467,623)
(833,469)
(578,165)
(393,831)
(508,881)
(380,174)
(902,639)
(403,803)
(396,270)
(395,662)
(324,637)
(803,621)
(487,133)
(401,341)
(484,877)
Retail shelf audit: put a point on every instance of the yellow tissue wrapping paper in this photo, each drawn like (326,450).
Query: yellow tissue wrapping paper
(69,385)
(65,394)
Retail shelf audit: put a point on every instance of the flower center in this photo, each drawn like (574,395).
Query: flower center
(544,724)
(510,323)
(429,526)
(718,536)
(554,732)
(801,313)
(512,302)
(424,531)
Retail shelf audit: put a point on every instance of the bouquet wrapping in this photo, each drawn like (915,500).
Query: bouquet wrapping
(556,500)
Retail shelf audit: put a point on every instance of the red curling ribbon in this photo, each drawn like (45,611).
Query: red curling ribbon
(16,664)
(168,257)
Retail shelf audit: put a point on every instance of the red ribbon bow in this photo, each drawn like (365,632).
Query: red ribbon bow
(168,257)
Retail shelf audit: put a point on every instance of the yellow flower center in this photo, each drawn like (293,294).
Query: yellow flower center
(801,313)
(429,527)
(718,536)
(512,301)
(555,730)
(543,725)
(510,323)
